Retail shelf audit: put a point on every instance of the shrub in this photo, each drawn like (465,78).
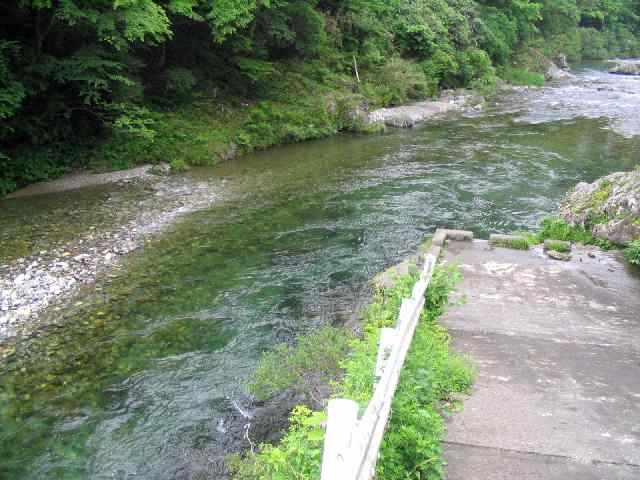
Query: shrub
(559,229)
(179,82)
(178,165)
(311,364)
(395,82)
(558,247)
(497,33)
(594,44)
(518,76)
(273,123)
(632,253)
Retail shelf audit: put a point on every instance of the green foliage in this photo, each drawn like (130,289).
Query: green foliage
(395,82)
(88,72)
(272,123)
(516,243)
(178,165)
(430,380)
(12,92)
(298,455)
(498,34)
(632,253)
(312,363)
(558,247)
(179,81)
(559,229)
(559,16)
(518,76)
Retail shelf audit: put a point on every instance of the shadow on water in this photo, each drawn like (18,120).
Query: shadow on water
(142,377)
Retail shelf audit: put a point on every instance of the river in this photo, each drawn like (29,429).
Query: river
(142,376)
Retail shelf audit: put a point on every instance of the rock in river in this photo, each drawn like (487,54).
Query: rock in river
(626,67)
(608,207)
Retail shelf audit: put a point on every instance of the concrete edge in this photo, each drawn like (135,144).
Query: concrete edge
(444,234)
(385,279)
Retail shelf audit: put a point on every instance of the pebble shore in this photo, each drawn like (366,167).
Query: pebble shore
(30,284)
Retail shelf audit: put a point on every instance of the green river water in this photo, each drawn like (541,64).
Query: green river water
(144,379)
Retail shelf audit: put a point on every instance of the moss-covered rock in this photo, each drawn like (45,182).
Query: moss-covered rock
(608,207)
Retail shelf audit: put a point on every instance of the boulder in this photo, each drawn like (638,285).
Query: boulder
(608,207)
(160,169)
(561,61)
(555,73)
(626,67)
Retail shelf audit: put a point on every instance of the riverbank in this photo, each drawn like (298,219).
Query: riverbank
(32,282)
(138,206)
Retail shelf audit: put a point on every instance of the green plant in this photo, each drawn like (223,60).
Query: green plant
(178,165)
(305,367)
(298,455)
(632,253)
(518,76)
(432,377)
(517,243)
(559,229)
(558,247)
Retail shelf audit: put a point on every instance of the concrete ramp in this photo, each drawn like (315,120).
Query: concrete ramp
(557,348)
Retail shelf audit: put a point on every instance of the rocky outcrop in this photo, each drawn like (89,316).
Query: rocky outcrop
(626,67)
(608,207)
(553,72)
(408,116)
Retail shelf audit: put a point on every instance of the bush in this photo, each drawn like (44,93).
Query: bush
(632,253)
(559,229)
(273,123)
(518,76)
(497,34)
(178,165)
(313,363)
(594,44)
(396,82)
(299,454)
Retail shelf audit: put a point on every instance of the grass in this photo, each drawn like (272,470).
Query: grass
(554,228)
(517,243)
(520,76)
(559,246)
(431,378)
(632,253)
(559,229)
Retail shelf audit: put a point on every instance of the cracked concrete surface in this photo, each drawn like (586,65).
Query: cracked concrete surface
(557,349)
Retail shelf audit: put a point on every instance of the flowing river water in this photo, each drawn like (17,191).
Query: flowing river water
(142,376)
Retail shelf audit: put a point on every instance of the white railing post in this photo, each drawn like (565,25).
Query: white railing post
(342,419)
(351,445)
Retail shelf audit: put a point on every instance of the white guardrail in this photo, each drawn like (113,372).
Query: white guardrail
(351,445)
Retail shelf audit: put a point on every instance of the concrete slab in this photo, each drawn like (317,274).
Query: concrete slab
(557,347)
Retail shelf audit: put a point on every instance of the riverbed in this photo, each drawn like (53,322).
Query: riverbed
(140,375)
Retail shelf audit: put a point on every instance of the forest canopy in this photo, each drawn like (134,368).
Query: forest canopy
(76,71)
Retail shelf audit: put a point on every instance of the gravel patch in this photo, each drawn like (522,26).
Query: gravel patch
(30,284)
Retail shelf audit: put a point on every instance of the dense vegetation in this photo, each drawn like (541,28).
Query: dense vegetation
(431,378)
(109,83)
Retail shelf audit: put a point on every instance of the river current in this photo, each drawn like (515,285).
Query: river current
(144,379)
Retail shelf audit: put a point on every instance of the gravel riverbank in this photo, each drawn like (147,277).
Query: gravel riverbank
(31,283)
